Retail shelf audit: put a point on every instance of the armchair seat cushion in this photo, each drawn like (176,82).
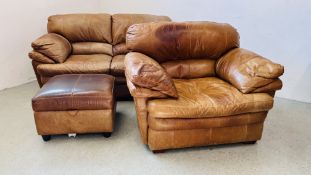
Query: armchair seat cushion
(208,97)
(78,64)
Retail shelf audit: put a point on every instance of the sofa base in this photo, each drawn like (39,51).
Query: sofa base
(163,140)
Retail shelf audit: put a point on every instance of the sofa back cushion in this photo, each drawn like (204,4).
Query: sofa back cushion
(82,27)
(88,48)
(166,41)
(190,68)
(120,24)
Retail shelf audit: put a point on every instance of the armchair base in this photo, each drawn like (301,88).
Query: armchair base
(163,140)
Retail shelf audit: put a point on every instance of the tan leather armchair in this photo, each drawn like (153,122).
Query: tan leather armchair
(86,44)
(193,86)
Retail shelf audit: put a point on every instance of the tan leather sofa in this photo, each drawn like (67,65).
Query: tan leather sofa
(193,86)
(85,44)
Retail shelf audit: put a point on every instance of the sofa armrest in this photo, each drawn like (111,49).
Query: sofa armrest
(39,57)
(249,72)
(144,72)
(50,48)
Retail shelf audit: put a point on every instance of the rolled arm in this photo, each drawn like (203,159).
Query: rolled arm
(146,78)
(249,72)
(50,48)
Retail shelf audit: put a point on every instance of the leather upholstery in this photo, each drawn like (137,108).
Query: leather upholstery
(78,64)
(74,121)
(82,27)
(37,56)
(75,92)
(93,49)
(117,67)
(143,71)
(188,40)
(120,49)
(248,71)
(121,22)
(52,46)
(161,140)
(208,97)
(200,57)
(87,48)
(191,68)
(167,124)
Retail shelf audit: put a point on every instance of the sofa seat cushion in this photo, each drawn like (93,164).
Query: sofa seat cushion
(78,64)
(117,67)
(208,97)
(76,92)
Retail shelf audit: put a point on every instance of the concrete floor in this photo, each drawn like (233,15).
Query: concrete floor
(284,149)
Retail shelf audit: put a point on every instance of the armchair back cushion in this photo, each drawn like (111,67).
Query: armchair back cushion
(190,68)
(187,40)
(82,27)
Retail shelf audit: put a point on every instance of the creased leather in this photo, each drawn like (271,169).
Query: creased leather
(78,64)
(139,92)
(75,92)
(143,71)
(208,97)
(87,48)
(53,46)
(74,121)
(82,27)
(187,40)
(37,56)
(248,71)
(190,68)
(121,22)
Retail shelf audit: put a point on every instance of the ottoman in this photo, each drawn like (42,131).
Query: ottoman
(75,103)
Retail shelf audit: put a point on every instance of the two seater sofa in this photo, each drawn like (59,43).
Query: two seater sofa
(86,44)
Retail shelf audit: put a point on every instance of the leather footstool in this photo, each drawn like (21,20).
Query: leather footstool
(75,103)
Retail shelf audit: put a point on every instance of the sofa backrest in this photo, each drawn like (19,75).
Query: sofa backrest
(120,24)
(96,33)
(82,27)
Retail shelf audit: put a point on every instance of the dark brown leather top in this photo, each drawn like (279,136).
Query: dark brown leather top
(75,92)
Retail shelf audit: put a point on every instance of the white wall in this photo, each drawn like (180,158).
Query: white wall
(21,23)
(276,29)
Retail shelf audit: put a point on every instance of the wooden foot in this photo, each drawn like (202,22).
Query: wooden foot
(46,137)
(250,142)
(107,134)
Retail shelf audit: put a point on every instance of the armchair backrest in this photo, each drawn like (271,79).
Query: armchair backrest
(185,49)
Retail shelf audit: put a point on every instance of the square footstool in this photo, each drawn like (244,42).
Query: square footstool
(75,103)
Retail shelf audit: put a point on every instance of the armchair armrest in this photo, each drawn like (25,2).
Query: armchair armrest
(147,76)
(249,72)
(50,48)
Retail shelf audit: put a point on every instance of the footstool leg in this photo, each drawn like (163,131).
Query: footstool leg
(46,137)
(107,134)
